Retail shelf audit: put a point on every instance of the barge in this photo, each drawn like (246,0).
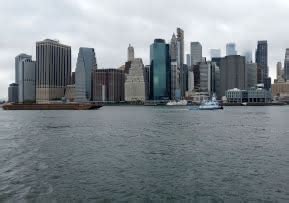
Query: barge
(69,106)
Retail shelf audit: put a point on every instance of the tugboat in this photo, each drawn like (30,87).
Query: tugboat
(212,104)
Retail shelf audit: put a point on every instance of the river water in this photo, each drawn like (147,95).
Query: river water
(133,153)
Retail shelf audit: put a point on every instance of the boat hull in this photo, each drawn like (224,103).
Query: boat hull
(50,106)
(211,108)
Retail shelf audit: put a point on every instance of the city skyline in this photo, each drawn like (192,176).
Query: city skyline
(77,27)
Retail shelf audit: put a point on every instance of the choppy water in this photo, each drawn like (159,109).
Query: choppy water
(145,153)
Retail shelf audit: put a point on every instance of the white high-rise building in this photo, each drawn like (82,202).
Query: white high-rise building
(85,62)
(196,53)
(215,53)
(231,49)
(135,83)
(130,53)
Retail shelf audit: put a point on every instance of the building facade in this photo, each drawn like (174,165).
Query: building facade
(231,49)
(261,58)
(85,62)
(196,53)
(130,53)
(18,63)
(251,69)
(27,81)
(108,85)
(181,45)
(13,93)
(175,81)
(232,73)
(286,65)
(160,70)
(53,70)
(215,53)
(135,83)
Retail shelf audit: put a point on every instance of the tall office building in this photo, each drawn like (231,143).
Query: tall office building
(196,53)
(85,62)
(130,53)
(181,45)
(53,70)
(160,70)
(175,81)
(135,83)
(231,49)
(286,65)
(232,73)
(248,56)
(188,58)
(279,73)
(251,69)
(262,58)
(147,79)
(27,81)
(108,85)
(174,48)
(215,53)
(18,62)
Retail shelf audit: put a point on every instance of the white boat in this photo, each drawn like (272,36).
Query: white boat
(177,103)
(212,104)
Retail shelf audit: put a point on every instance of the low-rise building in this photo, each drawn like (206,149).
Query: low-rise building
(252,95)
(13,93)
(236,95)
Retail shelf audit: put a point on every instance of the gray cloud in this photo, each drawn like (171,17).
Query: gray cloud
(109,26)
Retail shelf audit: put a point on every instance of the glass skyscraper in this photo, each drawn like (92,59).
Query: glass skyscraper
(262,58)
(160,70)
(85,62)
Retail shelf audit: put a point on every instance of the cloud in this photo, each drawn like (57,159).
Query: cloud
(109,26)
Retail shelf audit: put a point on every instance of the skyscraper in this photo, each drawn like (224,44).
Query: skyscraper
(18,63)
(232,73)
(135,83)
(286,65)
(160,70)
(188,58)
(231,49)
(175,81)
(27,81)
(53,70)
(215,53)
(279,73)
(262,58)
(130,53)
(180,39)
(85,62)
(251,69)
(108,85)
(248,56)
(174,48)
(196,53)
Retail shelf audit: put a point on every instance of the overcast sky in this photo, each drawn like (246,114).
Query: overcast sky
(110,25)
